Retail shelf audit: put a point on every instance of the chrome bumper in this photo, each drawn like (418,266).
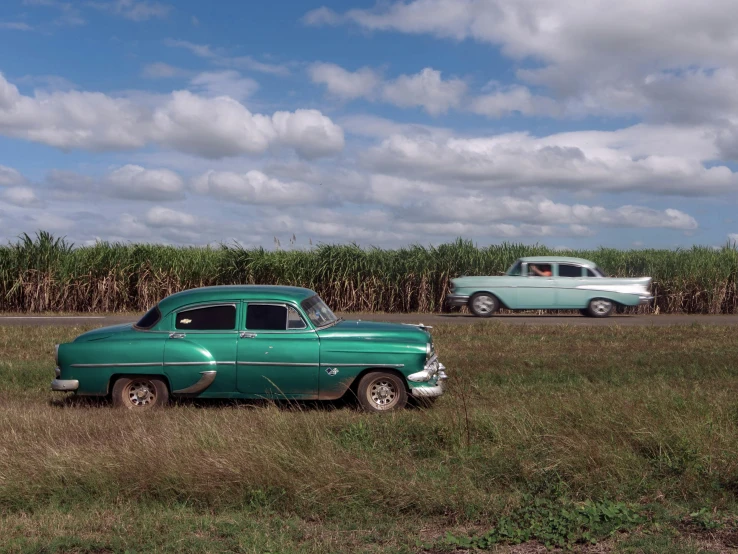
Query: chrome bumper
(643,300)
(438,390)
(65,385)
(456,300)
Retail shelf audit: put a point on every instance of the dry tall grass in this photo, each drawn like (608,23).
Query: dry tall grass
(644,415)
(48,274)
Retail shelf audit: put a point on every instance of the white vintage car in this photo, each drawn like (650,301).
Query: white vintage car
(550,283)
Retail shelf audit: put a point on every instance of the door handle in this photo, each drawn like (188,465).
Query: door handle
(245,335)
(176,335)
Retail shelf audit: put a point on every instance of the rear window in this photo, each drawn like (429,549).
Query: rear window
(207,318)
(568,270)
(149,319)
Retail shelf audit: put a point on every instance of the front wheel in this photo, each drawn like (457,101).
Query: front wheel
(483,304)
(140,393)
(381,391)
(599,307)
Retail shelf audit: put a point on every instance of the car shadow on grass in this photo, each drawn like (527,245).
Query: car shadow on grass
(348,402)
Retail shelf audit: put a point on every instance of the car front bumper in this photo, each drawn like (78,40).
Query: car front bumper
(63,385)
(457,300)
(437,390)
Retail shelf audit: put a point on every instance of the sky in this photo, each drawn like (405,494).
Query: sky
(572,124)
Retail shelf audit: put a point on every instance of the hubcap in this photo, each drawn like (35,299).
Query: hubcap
(141,393)
(383,393)
(601,306)
(484,304)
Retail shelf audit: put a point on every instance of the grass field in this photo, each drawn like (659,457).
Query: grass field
(48,274)
(623,437)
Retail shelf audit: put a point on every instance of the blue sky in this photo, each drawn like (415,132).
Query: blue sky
(567,124)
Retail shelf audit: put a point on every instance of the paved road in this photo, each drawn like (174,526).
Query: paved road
(427,319)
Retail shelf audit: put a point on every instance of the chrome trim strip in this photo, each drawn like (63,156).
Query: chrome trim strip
(278,363)
(64,385)
(205,381)
(166,364)
(143,364)
(363,365)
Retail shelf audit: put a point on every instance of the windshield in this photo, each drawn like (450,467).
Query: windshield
(318,312)
(515,269)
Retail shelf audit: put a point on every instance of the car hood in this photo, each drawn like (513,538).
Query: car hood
(374,329)
(104,332)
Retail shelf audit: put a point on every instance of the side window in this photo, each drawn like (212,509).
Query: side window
(209,318)
(539,270)
(265,317)
(294,321)
(591,273)
(566,270)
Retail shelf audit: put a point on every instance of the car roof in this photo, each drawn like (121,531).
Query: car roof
(558,260)
(234,292)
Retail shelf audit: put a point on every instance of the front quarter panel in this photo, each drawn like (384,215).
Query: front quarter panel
(344,359)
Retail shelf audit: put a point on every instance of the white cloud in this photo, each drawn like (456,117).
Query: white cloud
(160,70)
(133,9)
(254,187)
(136,182)
(343,83)
(426,89)
(309,132)
(165,217)
(660,160)
(20,196)
(666,60)
(247,62)
(224,83)
(49,222)
(10,177)
(200,50)
(208,127)
(483,208)
(15,26)
(733,237)
(217,57)
(505,101)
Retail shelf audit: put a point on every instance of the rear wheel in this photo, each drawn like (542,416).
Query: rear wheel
(483,304)
(140,393)
(600,307)
(381,391)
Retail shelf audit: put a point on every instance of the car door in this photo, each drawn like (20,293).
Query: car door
(203,338)
(568,278)
(278,353)
(536,291)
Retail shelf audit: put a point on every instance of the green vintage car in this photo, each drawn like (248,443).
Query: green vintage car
(249,341)
(549,283)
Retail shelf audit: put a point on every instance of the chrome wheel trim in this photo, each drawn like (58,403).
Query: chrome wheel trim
(484,304)
(601,307)
(383,393)
(140,393)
